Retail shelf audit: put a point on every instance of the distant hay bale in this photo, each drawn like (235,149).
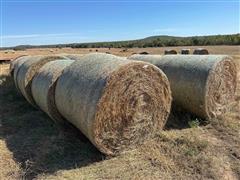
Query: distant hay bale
(185,51)
(27,72)
(43,87)
(124,50)
(170,51)
(200,51)
(144,53)
(203,85)
(115,102)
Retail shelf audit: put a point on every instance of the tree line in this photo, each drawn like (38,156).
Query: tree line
(153,41)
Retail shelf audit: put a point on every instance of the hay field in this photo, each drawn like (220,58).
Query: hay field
(5,54)
(33,147)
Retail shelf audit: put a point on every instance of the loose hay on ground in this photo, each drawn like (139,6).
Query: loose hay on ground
(43,87)
(204,85)
(27,71)
(115,102)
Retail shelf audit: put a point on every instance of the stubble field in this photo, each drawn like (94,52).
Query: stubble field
(33,147)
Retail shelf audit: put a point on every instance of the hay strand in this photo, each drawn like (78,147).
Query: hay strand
(201,84)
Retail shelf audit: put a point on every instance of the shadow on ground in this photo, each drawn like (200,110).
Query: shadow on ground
(37,144)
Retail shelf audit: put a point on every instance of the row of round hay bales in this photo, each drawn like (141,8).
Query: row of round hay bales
(198,51)
(203,85)
(117,103)
(24,71)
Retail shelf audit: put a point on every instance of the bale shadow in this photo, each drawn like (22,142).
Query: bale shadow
(37,143)
(182,119)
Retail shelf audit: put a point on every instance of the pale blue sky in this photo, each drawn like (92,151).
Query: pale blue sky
(62,21)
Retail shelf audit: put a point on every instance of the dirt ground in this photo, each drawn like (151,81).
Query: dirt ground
(33,147)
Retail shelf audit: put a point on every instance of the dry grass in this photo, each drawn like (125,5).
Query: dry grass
(31,146)
(4,69)
(230,50)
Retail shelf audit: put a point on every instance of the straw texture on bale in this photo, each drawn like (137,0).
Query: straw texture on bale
(15,68)
(203,85)
(43,87)
(28,70)
(200,51)
(170,51)
(115,102)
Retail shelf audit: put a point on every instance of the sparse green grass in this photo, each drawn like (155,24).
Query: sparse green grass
(194,123)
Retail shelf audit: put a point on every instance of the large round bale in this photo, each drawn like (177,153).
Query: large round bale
(15,68)
(115,102)
(203,85)
(28,70)
(170,51)
(74,56)
(43,87)
(200,51)
(14,63)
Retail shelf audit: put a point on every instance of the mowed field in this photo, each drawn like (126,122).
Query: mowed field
(9,54)
(33,147)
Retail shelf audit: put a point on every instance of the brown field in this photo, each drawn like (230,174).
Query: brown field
(33,147)
(8,54)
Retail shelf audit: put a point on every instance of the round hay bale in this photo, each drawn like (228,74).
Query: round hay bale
(27,72)
(43,87)
(170,51)
(15,68)
(13,64)
(73,56)
(153,59)
(200,51)
(203,85)
(185,51)
(144,53)
(115,102)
